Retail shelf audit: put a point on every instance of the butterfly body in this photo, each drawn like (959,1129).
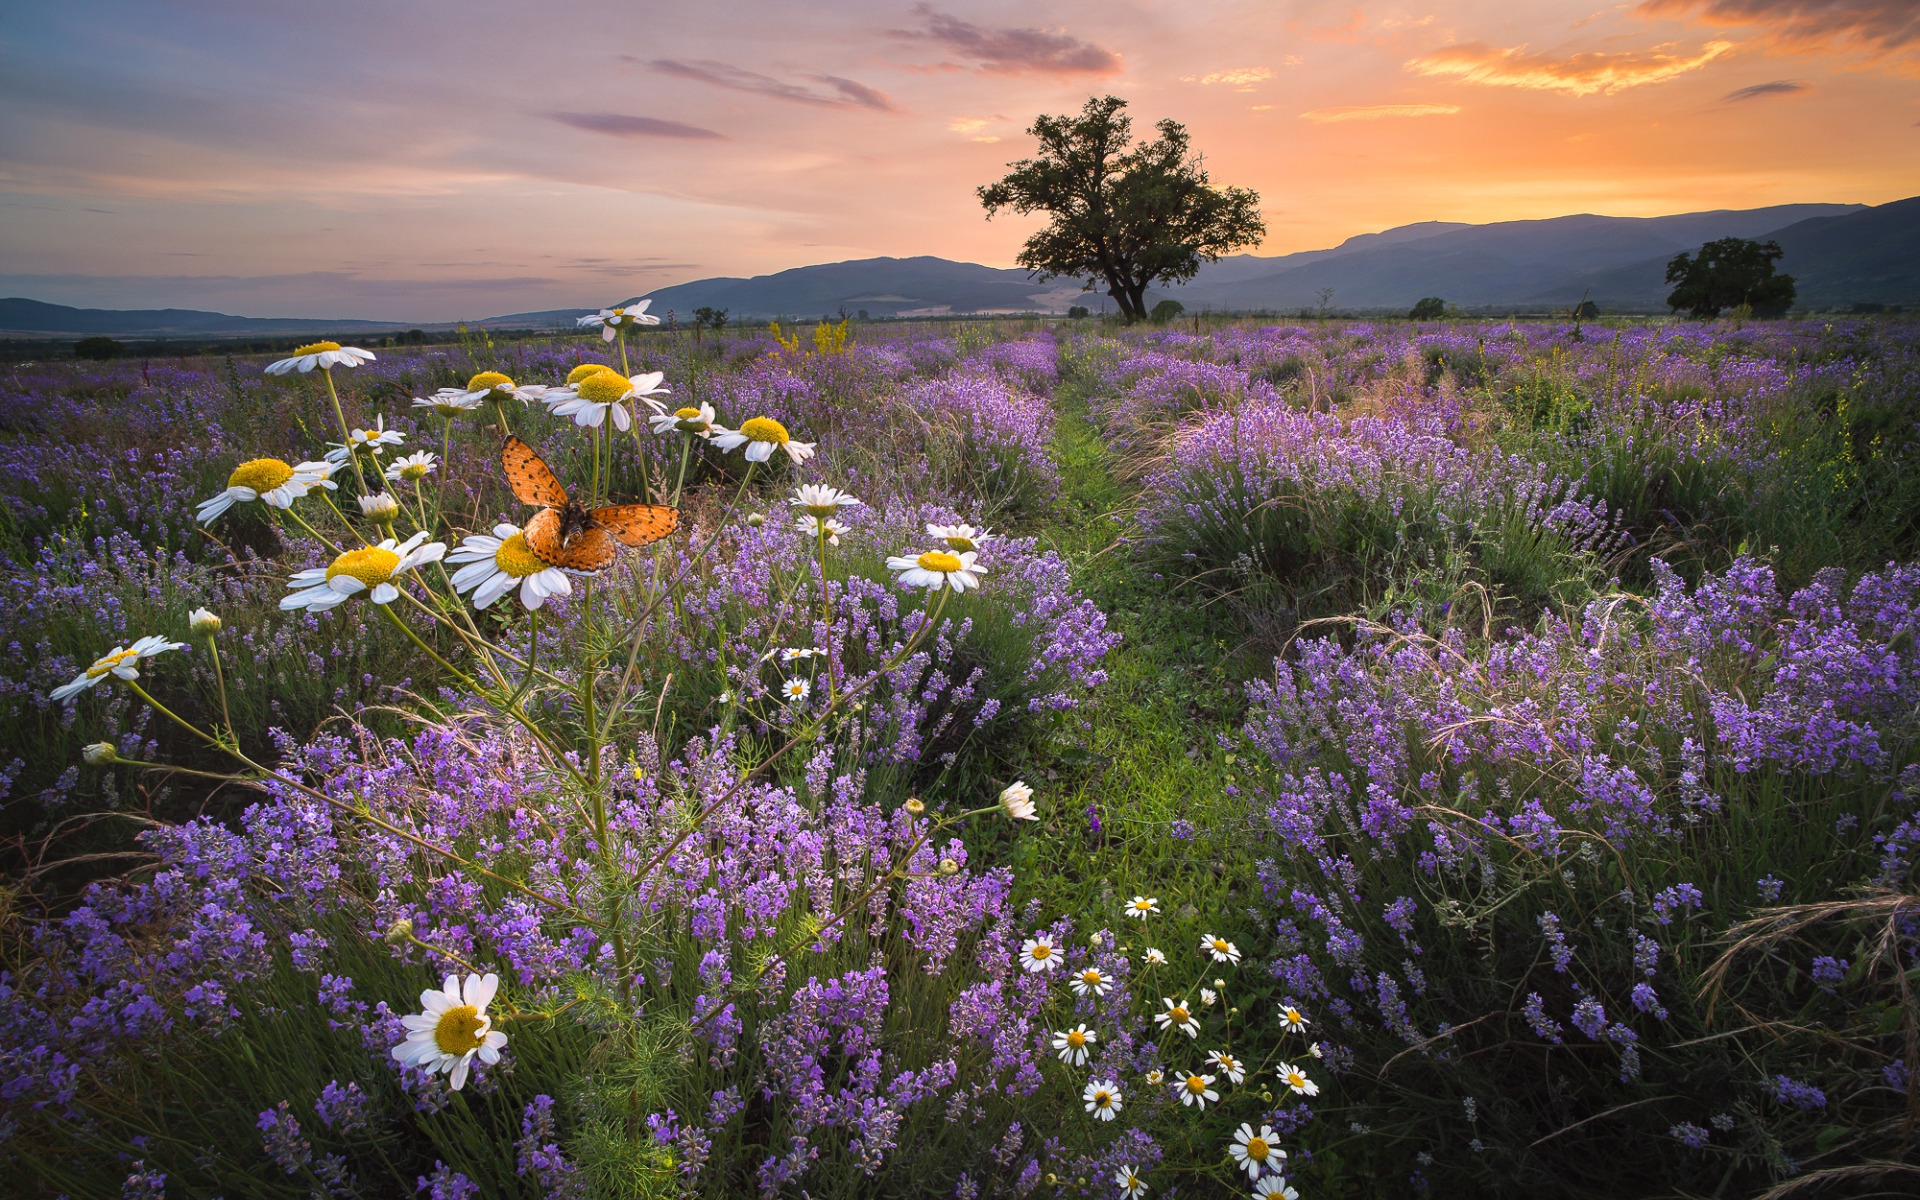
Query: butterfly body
(565,534)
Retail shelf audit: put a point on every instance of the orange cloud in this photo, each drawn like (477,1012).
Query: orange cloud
(1242,78)
(1882,25)
(1378,112)
(1578,75)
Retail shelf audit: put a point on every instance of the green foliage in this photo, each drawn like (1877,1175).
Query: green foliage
(1166,311)
(98,348)
(1429,308)
(1730,273)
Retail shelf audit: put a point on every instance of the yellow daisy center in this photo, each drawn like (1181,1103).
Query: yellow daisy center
(935,560)
(584,370)
(487,381)
(1220,945)
(687,414)
(517,558)
(414,471)
(1042,952)
(1142,905)
(1103,1099)
(459,1030)
(261,474)
(1090,977)
(1177,1015)
(316,348)
(1257,1149)
(1076,1039)
(603,387)
(1196,1084)
(1295,1079)
(765,429)
(371,565)
(109,663)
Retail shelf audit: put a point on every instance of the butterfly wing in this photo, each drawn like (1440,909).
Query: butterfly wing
(533,482)
(591,550)
(637,524)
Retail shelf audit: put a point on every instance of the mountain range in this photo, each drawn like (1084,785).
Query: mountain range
(1839,255)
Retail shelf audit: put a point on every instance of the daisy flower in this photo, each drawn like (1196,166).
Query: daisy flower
(1103,1099)
(937,569)
(605,393)
(1155,1076)
(795,690)
(1207,997)
(453,1029)
(1228,1065)
(495,564)
(1291,1018)
(762,436)
(122,662)
(960,538)
(1176,1016)
(371,569)
(203,621)
(379,507)
(1093,979)
(269,481)
(450,402)
(372,440)
(413,467)
(1141,907)
(819,500)
(588,368)
(611,320)
(1222,950)
(810,526)
(796,653)
(1255,1151)
(1132,1186)
(1273,1187)
(699,420)
(1039,954)
(1073,1044)
(492,386)
(1292,1077)
(1017,800)
(1154,958)
(325,355)
(1195,1090)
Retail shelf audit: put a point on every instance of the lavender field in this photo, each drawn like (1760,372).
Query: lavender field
(993,759)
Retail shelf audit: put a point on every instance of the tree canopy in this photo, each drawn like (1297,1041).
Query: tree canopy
(1727,274)
(1124,215)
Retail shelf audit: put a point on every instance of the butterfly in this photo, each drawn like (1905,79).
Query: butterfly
(563,534)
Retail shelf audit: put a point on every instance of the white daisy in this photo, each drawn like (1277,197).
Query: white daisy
(369,569)
(453,1028)
(379,506)
(795,690)
(699,421)
(1207,997)
(1155,1076)
(1073,1045)
(1017,800)
(269,481)
(960,537)
(810,526)
(325,355)
(937,569)
(1256,1151)
(1195,1090)
(796,653)
(413,467)
(122,662)
(1093,980)
(1039,954)
(372,440)
(1293,1078)
(602,395)
(1103,1099)
(1222,950)
(1176,1016)
(819,500)
(1274,1187)
(203,621)
(1154,958)
(1142,907)
(1132,1186)
(612,320)
(492,386)
(496,563)
(1291,1018)
(762,436)
(451,402)
(1228,1065)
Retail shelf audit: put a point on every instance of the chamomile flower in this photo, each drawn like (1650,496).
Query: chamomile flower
(1176,1016)
(1255,1151)
(204,622)
(612,320)
(1293,1078)
(450,402)
(1091,980)
(453,1029)
(960,538)
(698,421)
(795,690)
(491,387)
(413,467)
(370,569)
(603,396)
(796,653)
(1016,799)
(269,481)
(1196,1091)
(1207,997)
(496,564)
(1291,1018)
(762,436)
(325,355)
(938,569)
(373,441)
(123,662)
(1220,949)
(1228,1065)
(1155,1077)
(1103,1099)
(819,500)
(1074,1045)
(1132,1186)
(379,507)
(1274,1187)
(585,369)
(1154,958)
(1039,954)
(812,527)
(1142,907)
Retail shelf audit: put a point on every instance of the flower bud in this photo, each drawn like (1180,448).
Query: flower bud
(1052,1179)
(381,506)
(99,754)
(915,805)
(203,622)
(399,931)
(1017,801)
(756,520)
(1093,940)
(949,867)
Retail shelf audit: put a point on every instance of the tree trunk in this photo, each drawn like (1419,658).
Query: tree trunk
(1128,298)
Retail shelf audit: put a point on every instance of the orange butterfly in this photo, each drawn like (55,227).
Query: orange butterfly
(563,534)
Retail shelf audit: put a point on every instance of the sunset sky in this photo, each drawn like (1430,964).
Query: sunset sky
(414,160)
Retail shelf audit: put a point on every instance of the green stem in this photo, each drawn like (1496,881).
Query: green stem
(220,678)
(346,433)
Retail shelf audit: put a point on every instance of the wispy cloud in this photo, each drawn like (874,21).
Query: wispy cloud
(973,126)
(1378,112)
(1778,87)
(622,125)
(1575,75)
(839,92)
(1877,25)
(1012,51)
(1241,79)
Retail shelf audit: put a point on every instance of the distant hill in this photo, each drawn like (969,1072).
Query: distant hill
(18,315)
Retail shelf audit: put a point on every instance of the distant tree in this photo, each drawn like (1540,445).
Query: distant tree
(863,315)
(708,317)
(99,348)
(1727,274)
(1078,310)
(1125,215)
(1166,311)
(1586,310)
(1428,308)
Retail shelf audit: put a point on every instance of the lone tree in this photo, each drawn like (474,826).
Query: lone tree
(1125,215)
(1727,274)
(1428,308)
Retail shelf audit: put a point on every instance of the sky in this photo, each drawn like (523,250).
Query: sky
(421,160)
